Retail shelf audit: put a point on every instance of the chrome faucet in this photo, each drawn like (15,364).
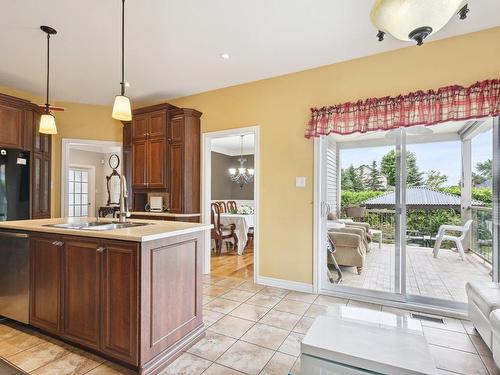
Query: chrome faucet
(123,213)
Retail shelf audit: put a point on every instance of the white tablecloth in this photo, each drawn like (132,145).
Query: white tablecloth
(242,222)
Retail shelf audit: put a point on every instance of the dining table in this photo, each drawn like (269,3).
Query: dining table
(242,223)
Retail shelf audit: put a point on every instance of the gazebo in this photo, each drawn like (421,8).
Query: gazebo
(421,197)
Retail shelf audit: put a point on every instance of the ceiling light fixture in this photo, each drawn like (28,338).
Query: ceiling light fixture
(47,119)
(414,20)
(121,108)
(225,56)
(241,175)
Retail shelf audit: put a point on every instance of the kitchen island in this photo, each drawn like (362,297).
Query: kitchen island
(132,294)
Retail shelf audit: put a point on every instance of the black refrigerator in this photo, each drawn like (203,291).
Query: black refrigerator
(14,184)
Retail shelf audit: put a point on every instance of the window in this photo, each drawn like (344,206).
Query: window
(78,192)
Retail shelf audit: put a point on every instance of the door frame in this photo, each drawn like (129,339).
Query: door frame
(66,145)
(418,303)
(91,187)
(206,188)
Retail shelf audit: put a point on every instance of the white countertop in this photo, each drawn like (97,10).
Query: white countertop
(158,229)
(382,342)
(163,214)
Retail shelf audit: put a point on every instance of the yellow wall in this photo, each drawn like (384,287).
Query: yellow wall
(81,121)
(281,107)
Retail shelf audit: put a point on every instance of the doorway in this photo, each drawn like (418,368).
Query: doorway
(230,199)
(402,186)
(84,167)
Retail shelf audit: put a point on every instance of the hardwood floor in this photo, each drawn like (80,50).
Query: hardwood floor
(231,264)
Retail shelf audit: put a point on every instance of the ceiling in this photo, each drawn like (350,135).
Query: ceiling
(173,46)
(231,145)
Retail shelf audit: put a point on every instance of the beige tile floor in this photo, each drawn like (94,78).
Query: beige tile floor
(251,329)
(442,277)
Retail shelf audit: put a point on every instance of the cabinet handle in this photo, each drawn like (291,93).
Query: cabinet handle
(58,243)
(169,140)
(100,249)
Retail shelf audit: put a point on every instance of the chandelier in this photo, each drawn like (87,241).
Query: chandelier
(414,20)
(241,175)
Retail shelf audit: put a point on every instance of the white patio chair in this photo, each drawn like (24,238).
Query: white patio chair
(442,236)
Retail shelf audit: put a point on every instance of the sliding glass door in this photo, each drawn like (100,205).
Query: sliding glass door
(424,199)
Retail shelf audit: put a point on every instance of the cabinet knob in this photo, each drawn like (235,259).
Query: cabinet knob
(100,249)
(169,140)
(58,243)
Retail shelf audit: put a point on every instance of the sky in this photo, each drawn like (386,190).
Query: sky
(439,156)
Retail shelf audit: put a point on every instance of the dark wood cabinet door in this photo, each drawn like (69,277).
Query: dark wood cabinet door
(176,129)
(139,168)
(119,301)
(176,168)
(11,127)
(156,161)
(81,286)
(45,294)
(127,134)
(157,124)
(140,127)
(40,207)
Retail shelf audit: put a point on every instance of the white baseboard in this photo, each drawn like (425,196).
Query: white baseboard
(285,284)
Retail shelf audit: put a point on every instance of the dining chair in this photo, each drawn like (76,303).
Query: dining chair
(232,207)
(220,232)
(222,206)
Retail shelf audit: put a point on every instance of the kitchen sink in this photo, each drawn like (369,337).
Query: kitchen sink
(97,225)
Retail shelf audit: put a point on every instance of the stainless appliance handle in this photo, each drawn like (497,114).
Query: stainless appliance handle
(14,235)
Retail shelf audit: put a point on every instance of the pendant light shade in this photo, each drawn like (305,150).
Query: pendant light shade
(122,110)
(47,124)
(47,120)
(414,20)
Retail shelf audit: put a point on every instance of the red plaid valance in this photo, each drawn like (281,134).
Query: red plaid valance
(451,103)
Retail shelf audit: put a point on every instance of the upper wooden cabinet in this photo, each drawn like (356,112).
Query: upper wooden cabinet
(165,154)
(184,157)
(148,143)
(15,122)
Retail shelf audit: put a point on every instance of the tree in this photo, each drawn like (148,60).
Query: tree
(484,172)
(351,179)
(388,169)
(372,181)
(435,179)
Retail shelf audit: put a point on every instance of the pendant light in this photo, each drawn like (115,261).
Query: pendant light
(47,120)
(414,20)
(121,107)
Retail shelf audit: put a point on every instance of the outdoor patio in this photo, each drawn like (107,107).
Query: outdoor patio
(442,277)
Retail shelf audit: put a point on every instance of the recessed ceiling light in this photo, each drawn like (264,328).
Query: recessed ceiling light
(224,56)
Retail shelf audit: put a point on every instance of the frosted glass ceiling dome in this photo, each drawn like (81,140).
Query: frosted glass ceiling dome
(414,19)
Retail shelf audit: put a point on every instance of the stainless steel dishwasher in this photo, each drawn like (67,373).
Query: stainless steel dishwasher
(14,275)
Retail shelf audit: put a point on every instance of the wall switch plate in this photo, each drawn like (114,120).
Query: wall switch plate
(300,182)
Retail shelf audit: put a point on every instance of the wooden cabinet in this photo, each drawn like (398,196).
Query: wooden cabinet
(81,286)
(139,168)
(184,161)
(119,301)
(156,163)
(11,126)
(85,290)
(165,155)
(45,265)
(149,142)
(139,303)
(40,172)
